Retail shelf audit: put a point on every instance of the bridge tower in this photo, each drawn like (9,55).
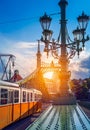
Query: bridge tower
(38,56)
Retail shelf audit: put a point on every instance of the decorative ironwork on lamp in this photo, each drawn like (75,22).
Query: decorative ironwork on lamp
(79,36)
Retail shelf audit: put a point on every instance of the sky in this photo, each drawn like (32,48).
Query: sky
(20,29)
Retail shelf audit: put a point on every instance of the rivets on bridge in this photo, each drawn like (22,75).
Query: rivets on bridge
(48,127)
(56,127)
(37,129)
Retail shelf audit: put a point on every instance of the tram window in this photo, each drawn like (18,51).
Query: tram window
(35,97)
(10,100)
(28,97)
(31,97)
(24,96)
(4,96)
(16,96)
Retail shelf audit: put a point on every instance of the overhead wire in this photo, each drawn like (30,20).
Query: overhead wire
(24,19)
(17,20)
(22,68)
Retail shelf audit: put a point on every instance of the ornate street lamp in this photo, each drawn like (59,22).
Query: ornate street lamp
(45,23)
(79,33)
(67,47)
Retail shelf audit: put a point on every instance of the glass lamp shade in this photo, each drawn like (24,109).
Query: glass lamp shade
(47,34)
(45,21)
(77,34)
(83,20)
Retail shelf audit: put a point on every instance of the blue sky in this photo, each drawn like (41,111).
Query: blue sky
(20,37)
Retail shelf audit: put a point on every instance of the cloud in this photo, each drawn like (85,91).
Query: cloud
(25,58)
(25,53)
(85,63)
(26,45)
(80,68)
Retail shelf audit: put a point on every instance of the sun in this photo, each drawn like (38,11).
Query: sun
(48,75)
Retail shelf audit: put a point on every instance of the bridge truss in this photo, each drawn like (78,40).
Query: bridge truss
(6,65)
(36,79)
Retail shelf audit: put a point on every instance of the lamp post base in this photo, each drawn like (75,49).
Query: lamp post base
(65,100)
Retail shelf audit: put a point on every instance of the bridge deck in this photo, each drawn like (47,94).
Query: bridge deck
(68,117)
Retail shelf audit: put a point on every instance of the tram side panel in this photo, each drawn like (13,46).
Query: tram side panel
(5,115)
(24,104)
(29,104)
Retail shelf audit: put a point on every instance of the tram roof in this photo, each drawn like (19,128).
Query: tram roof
(5,83)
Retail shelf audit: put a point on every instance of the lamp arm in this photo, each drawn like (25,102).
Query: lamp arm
(54,54)
(72,53)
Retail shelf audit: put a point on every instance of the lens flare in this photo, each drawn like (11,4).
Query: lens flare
(48,75)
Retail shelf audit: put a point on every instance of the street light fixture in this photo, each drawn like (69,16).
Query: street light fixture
(67,47)
(83,20)
(47,34)
(79,33)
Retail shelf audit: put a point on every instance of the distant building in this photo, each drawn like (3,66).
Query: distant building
(16,77)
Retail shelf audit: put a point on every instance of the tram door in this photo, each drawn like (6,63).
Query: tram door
(10,106)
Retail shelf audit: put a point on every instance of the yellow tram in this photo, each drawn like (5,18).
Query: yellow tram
(17,102)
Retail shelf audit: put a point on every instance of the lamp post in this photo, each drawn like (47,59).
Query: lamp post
(67,47)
